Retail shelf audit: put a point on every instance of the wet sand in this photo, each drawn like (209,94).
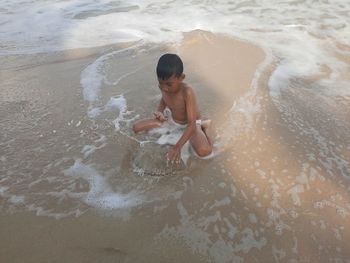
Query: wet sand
(268,195)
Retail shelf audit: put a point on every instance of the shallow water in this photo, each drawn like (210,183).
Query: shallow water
(278,186)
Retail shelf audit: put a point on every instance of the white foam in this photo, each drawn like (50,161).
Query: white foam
(284,90)
(279,79)
(252,218)
(91,79)
(278,254)
(248,241)
(3,190)
(220,251)
(90,149)
(100,194)
(272,26)
(119,103)
(294,191)
(40,211)
(196,232)
(218,203)
(17,199)
(69,24)
(93,76)
(316,53)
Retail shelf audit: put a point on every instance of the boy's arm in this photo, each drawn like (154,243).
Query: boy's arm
(161,106)
(191,111)
(159,113)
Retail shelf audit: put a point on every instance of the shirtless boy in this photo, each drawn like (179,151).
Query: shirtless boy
(181,100)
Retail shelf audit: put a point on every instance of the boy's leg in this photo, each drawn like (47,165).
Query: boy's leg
(201,142)
(146,124)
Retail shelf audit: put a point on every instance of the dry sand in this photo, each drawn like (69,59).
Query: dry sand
(255,202)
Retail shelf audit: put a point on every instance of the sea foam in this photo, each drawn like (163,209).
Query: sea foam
(100,195)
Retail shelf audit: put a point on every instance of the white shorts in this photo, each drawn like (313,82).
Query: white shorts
(168,115)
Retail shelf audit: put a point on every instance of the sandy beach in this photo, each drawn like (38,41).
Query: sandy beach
(69,191)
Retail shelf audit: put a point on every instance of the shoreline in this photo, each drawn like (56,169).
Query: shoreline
(68,180)
(65,94)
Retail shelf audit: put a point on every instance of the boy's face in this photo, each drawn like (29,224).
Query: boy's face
(172,84)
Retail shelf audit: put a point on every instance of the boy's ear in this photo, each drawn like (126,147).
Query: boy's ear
(183,76)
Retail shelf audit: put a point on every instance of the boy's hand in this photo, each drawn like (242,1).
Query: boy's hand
(159,116)
(174,155)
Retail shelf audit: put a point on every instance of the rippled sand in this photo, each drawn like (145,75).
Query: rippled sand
(277,189)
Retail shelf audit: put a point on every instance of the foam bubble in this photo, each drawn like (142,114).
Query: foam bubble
(294,191)
(100,194)
(69,24)
(99,144)
(93,76)
(3,190)
(17,199)
(279,80)
(117,102)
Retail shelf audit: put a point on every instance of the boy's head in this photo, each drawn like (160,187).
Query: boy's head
(169,65)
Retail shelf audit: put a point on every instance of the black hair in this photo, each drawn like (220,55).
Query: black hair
(168,65)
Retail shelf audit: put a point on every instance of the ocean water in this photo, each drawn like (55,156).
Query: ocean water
(292,134)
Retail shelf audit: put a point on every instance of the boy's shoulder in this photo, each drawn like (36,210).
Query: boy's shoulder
(187,90)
